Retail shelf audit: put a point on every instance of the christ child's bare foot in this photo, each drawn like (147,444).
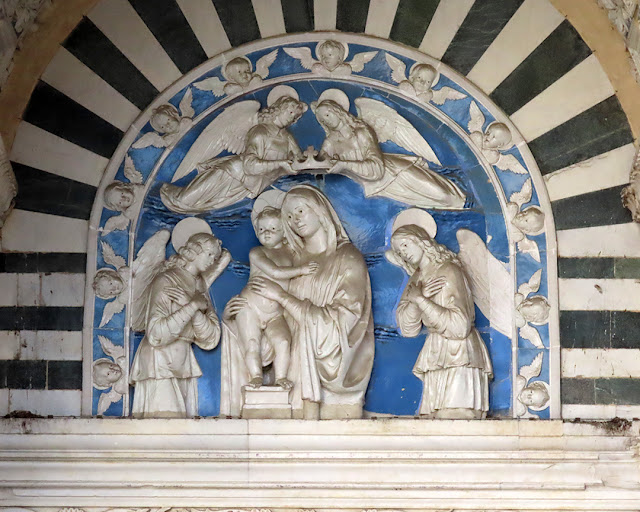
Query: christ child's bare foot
(284,383)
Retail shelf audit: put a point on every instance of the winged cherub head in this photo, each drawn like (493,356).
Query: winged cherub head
(530,220)
(331,54)
(165,119)
(497,136)
(422,77)
(535,309)
(107,284)
(239,71)
(119,196)
(535,395)
(105,373)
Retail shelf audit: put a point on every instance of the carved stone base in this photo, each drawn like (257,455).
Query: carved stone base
(266,402)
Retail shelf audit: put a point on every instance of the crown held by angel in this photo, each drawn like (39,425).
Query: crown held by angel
(331,58)
(421,81)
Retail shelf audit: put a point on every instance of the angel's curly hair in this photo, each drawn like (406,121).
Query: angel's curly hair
(436,252)
(268,114)
(189,251)
(346,117)
(330,43)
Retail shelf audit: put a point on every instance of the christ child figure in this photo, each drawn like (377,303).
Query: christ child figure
(261,327)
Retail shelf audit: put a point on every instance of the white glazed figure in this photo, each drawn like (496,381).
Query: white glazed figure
(258,327)
(330,316)
(263,150)
(332,57)
(178,313)
(239,75)
(421,81)
(352,147)
(124,198)
(454,363)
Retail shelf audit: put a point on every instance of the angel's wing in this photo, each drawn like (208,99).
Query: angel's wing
(150,139)
(213,85)
(530,247)
(445,94)
(186,107)
(525,194)
(144,268)
(264,63)
(391,126)
(533,285)
(130,171)
(530,333)
(477,119)
(111,308)
(228,132)
(303,54)
(110,257)
(510,163)
(398,68)
(491,284)
(106,399)
(116,223)
(534,369)
(360,59)
(113,351)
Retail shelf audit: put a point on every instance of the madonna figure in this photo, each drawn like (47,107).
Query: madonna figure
(453,364)
(329,314)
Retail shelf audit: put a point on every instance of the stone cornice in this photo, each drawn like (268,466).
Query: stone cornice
(384,463)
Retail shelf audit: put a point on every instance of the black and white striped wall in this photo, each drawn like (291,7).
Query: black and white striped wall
(523,53)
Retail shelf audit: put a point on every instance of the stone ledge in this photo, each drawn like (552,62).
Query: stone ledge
(387,463)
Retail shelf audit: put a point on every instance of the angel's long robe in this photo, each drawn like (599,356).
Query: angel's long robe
(403,178)
(165,370)
(454,363)
(223,181)
(332,346)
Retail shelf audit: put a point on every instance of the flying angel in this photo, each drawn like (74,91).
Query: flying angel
(109,373)
(527,221)
(352,146)
(420,82)
(124,198)
(262,149)
(168,123)
(331,56)
(493,141)
(239,75)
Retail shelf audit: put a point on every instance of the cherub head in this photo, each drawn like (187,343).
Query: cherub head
(530,220)
(239,71)
(105,373)
(422,77)
(534,395)
(165,119)
(330,54)
(107,284)
(269,228)
(119,196)
(535,310)
(497,136)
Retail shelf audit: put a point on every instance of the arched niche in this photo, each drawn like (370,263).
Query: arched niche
(502,185)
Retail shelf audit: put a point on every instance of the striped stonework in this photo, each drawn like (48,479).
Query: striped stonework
(524,54)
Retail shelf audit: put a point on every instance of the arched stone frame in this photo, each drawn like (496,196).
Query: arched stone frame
(499,180)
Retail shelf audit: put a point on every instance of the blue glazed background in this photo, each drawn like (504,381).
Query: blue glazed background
(393,388)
